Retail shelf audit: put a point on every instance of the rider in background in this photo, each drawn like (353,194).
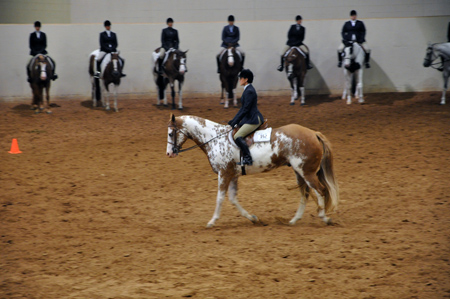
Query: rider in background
(296,35)
(169,39)
(38,45)
(108,44)
(248,117)
(354,30)
(230,37)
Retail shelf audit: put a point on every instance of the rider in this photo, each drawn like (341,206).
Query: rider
(38,43)
(296,35)
(108,44)
(230,36)
(354,30)
(248,117)
(169,39)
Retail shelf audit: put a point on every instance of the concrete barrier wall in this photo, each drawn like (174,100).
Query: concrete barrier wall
(398,47)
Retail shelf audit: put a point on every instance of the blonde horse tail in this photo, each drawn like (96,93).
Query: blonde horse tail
(327,177)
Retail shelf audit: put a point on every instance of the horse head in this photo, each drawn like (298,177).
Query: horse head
(428,56)
(290,60)
(41,65)
(176,137)
(349,57)
(116,65)
(182,61)
(231,50)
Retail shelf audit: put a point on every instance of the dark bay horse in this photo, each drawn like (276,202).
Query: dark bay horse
(230,66)
(308,153)
(442,51)
(111,67)
(295,65)
(41,72)
(174,68)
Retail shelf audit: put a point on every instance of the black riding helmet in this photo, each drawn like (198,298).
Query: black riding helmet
(299,17)
(169,20)
(107,23)
(246,74)
(353,13)
(230,18)
(37,24)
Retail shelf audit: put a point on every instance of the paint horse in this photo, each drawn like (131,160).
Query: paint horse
(295,65)
(307,152)
(435,51)
(231,64)
(111,73)
(353,71)
(174,68)
(41,72)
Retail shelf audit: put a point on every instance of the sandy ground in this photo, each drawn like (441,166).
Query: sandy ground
(93,208)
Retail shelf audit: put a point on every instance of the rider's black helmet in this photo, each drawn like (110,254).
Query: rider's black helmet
(37,24)
(169,20)
(298,17)
(230,18)
(247,74)
(107,23)
(353,13)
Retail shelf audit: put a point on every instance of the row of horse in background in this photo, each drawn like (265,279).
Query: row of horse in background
(41,72)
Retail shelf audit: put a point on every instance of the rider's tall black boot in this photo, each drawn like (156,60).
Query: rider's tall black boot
(28,74)
(280,68)
(218,64)
(308,63)
(366,60)
(160,66)
(247,158)
(339,59)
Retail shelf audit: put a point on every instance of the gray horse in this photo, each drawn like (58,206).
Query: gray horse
(442,51)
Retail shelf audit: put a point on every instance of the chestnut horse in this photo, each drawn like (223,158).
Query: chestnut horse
(295,65)
(41,72)
(230,66)
(307,152)
(174,68)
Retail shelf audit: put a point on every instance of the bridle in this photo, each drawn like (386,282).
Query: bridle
(176,149)
(430,57)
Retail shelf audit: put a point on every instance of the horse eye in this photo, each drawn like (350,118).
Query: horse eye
(170,134)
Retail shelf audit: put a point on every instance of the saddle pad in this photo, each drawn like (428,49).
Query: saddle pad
(298,49)
(155,56)
(262,135)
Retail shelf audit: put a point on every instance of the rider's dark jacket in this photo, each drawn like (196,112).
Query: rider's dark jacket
(249,113)
(169,38)
(38,45)
(108,44)
(359,30)
(230,37)
(296,35)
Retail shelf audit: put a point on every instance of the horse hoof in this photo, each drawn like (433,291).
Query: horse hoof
(292,104)
(49,112)
(165,105)
(180,108)
(36,111)
(254,219)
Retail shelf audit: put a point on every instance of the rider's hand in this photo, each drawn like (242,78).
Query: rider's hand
(231,123)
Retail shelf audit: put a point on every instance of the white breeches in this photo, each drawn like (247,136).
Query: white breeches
(364,45)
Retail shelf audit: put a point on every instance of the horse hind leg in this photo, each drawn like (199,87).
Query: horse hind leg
(116,109)
(180,96)
(444,90)
(359,88)
(302,91)
(47,96)
(304,189)
(234,99)
(232,196)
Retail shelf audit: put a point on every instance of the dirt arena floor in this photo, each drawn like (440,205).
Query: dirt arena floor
(93,208)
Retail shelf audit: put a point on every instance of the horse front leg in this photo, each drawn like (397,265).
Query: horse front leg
(172,87)
(234,99)
(232,196)
(105,97)
(93,97)
(47,97)
(180,96)
(347,89)
(224,182)
(294,94)
(444,90)
(115,98)
(359,87)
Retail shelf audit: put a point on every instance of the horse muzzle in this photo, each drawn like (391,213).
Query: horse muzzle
(426,63)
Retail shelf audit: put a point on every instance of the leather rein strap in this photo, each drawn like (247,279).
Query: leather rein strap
(177,149)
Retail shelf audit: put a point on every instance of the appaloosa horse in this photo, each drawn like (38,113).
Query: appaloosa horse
(174,68)
(111,72)
(230,66)
(295,65)
(442,51)
(353,71)
(41,72)
(306,151)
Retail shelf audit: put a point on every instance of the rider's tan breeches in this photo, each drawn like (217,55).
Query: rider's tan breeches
(246,129)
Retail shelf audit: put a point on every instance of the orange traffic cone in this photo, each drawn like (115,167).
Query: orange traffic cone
(14,147)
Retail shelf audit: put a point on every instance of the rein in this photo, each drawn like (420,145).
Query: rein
(177,149)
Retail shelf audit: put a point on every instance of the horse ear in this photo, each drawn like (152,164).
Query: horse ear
(186,51)
(172,117)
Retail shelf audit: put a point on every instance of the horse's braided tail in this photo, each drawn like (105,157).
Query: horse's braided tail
(327,177)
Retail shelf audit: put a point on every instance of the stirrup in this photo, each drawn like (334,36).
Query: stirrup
(340,64)
(309,67)
(97,75)
(246,161)
(55,76)
(367,65)
(280,68)
(29,80)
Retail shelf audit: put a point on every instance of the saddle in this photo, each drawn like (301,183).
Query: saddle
(249,138)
